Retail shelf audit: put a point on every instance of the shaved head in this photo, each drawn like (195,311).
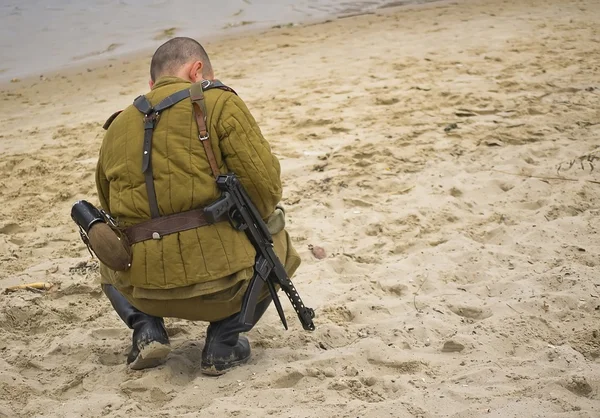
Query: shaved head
(174,54)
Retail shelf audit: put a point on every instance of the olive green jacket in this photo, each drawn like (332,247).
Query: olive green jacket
(204,260)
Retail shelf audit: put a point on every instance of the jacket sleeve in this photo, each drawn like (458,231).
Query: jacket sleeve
(102,185)
(246,152)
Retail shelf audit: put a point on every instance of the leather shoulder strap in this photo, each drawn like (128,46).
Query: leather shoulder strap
(151,117)
(199,106)
(172,100)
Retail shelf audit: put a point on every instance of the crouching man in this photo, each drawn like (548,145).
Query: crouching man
(153,171)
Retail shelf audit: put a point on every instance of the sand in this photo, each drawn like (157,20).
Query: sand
(427,149)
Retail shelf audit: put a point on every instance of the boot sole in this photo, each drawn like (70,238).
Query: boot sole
(151,355)
(220,369)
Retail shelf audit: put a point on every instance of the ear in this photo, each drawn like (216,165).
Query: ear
(151,83)
(195,73)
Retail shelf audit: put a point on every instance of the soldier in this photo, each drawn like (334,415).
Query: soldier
(153,171)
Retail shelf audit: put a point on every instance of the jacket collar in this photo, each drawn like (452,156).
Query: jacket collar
(166,80)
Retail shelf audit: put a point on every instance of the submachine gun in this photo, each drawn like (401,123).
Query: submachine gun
(236,206)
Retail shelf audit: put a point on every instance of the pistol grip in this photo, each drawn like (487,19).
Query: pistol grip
(217,210)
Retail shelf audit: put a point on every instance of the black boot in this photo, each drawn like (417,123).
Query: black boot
(150,339)
(224,348)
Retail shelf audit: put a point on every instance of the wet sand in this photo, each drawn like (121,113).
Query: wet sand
(427,149)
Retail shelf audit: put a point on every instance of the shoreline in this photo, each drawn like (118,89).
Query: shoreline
(235,34)
(94,59)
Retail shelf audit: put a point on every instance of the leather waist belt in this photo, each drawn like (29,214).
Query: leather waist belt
(165,225)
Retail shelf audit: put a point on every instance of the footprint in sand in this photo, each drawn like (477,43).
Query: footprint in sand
(471,312)
(290,380)
(587,342)
(12,228)
(105,333)
(396,290)
(401,367)
(111,359)
(579,386)
(337,314)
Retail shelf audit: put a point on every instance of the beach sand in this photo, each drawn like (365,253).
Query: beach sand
(427,149)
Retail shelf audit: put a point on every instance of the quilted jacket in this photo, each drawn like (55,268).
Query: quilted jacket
(207,259)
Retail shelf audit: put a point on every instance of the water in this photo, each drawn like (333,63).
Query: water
(43,35)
